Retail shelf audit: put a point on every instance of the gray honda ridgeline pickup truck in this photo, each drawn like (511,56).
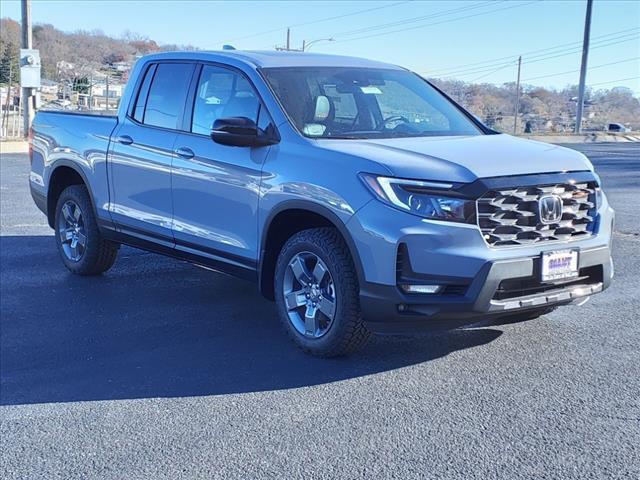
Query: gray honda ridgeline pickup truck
(356,194)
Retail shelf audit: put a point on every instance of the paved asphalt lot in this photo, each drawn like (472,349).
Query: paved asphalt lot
(159,369)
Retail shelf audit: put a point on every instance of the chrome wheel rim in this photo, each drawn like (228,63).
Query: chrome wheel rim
(309,295)
(73,236)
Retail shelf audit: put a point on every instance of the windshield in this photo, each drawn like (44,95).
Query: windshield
(342,102)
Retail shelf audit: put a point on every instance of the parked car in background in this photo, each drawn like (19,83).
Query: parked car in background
(354,193)
(60,104)
(617,128)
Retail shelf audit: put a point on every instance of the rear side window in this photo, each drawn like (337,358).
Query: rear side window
(167,94)
(141,102)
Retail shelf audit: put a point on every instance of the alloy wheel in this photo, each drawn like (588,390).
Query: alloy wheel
(309,295)
(72,231)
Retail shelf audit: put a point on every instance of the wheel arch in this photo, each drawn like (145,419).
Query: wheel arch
(287,219)
(63,174)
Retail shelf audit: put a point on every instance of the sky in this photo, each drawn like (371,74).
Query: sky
(475,40)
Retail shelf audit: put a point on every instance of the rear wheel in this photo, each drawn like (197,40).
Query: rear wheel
(82,248)
(317,294)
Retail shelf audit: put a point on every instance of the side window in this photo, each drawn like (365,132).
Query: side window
(222,93)
(141,101)
(265,122)
(167,94)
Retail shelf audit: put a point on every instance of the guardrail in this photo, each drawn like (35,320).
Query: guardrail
(11,124)
(591,137)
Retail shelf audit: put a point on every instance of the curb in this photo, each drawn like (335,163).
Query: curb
(14,147)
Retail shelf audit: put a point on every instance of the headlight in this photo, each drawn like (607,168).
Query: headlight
(421,198)
(599,197)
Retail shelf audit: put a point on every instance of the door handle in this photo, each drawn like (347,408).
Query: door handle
(184,152)
(124,139)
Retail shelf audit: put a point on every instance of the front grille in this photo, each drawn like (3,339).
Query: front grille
(510,216)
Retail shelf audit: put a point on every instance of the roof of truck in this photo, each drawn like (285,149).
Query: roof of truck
(266,58)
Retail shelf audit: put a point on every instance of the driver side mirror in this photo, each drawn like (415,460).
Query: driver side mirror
(240,132)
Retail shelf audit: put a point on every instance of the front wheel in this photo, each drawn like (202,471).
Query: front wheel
(317,294)
(82,248)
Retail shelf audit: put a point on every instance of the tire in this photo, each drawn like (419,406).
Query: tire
(336,291)
(75,219)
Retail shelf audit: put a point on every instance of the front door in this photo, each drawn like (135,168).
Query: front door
(216,187)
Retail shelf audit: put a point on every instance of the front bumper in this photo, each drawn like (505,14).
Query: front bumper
(387,309)
(481,282)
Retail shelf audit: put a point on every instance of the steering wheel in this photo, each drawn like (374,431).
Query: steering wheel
(394,118)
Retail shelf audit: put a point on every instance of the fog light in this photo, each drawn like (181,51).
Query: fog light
(421,288)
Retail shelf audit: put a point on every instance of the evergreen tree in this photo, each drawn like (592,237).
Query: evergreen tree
(9,68)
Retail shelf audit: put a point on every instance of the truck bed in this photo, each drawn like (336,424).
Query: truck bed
(88,113)
(79,139)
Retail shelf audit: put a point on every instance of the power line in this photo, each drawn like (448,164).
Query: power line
(510,64)
(414,19)
(535,58)
(614,81)
(574,71)
(510,57)
(335,17)
(539,57)
(591,48)
(443,13)
(489,68)
(437,23)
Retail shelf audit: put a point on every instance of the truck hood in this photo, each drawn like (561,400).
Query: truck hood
(462,159)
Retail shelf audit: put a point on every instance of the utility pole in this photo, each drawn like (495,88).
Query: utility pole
(27,42)
(107,90)
(583,67)
(91,90)
(515,114)
(288,47)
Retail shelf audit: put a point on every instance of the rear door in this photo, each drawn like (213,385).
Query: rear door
(140,173)
(216,187)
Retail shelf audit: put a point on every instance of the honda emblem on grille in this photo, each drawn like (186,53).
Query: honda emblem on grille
(550,209)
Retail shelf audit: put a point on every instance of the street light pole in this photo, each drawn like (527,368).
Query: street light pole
(583,67)
(27,42)
(306,45)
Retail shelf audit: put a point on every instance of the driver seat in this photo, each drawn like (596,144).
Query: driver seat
(319,115)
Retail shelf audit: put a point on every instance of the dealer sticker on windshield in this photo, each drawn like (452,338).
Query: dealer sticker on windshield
(559,265)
